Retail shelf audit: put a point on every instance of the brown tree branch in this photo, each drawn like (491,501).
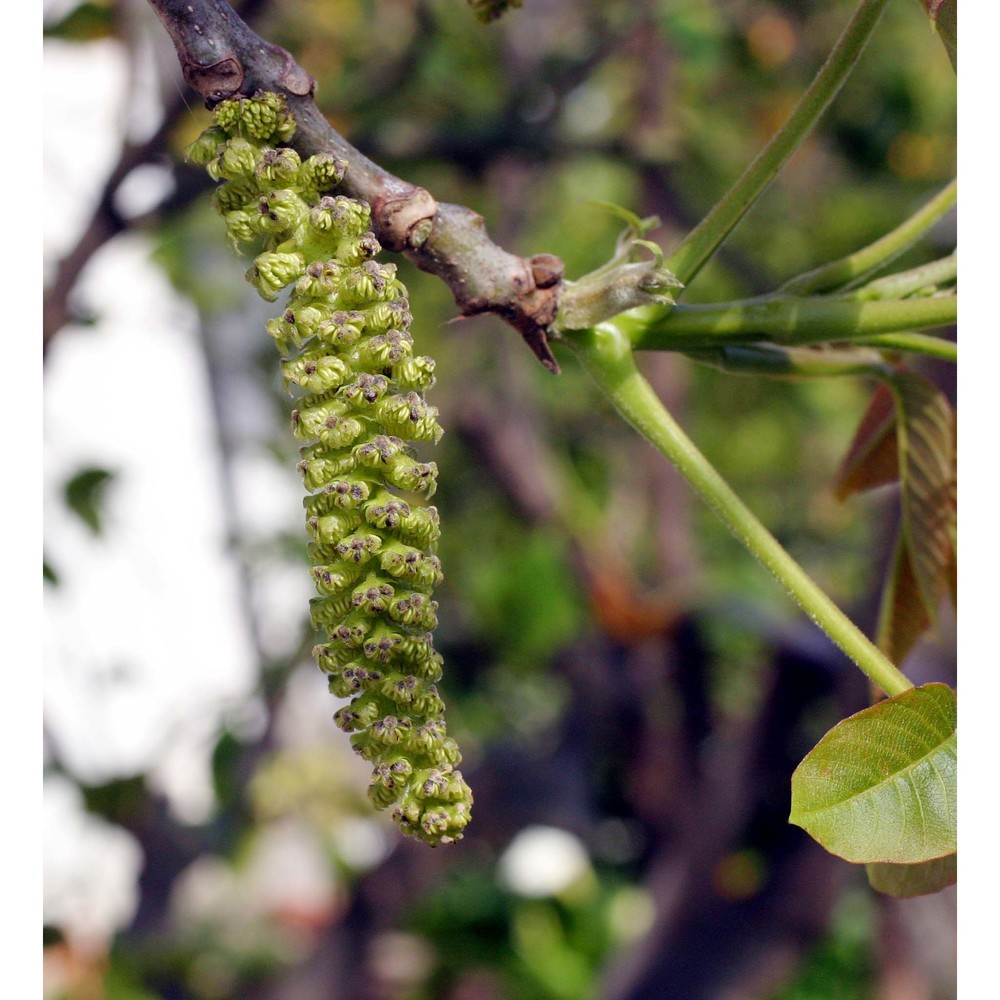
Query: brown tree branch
(222,57)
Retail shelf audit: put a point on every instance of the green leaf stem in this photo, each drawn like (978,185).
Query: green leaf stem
(858,265)
(699,245)
(605,352)
(784,319)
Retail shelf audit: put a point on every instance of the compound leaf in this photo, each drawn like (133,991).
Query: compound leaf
(881,785)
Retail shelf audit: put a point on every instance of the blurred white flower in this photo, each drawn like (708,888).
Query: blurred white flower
(90,869)
(543,861)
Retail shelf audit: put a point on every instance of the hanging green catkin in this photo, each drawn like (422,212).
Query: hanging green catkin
(345,344)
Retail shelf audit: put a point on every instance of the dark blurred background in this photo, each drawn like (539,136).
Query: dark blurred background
(630,690)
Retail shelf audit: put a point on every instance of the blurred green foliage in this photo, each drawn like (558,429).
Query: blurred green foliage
(84,494)
(83,23)
(843,964)
(532,948)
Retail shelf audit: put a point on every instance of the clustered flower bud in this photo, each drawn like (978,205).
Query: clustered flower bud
(346,347)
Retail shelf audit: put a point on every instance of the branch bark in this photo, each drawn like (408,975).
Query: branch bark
(222,57)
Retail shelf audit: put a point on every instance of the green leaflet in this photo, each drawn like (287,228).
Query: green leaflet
(347,351)
(880,787)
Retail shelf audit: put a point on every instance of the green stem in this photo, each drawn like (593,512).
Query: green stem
(687,260)
(897,286)
(607,355)
(918,343)
(784,320)
(876,255)
(791,362)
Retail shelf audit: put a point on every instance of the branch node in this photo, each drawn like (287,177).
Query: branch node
(546,269)
(295,79)
(214,82)
(404,221)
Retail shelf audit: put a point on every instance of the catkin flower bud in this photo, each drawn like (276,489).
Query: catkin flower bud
(263,117)
(235,160)
(278,168)
(272,271)
(320,173)
(205,148)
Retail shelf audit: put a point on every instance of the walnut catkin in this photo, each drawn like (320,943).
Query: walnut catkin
(347,352)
